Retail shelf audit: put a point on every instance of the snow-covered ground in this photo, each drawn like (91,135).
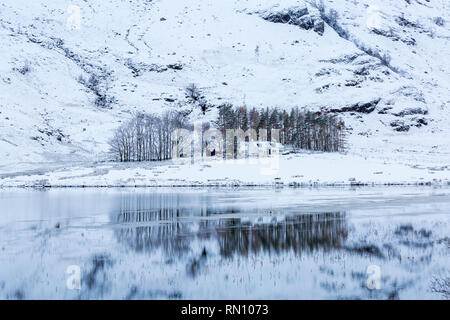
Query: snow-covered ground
(286,170)
(66,84)
(383,65)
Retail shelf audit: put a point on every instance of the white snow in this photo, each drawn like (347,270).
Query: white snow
(294,170)
(50,125)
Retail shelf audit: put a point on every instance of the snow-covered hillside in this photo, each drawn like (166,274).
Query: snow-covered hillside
(383,65)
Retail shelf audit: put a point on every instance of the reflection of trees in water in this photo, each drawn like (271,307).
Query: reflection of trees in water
(149,222)
(170,236)
(154,222)
(306,232)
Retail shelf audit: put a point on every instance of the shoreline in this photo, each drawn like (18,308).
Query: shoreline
(285,171)
(235,186)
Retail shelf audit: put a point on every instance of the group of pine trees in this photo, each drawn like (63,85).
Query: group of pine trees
(299,129)
(149,137)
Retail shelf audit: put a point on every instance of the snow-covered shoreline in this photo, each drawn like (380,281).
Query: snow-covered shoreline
(294,170)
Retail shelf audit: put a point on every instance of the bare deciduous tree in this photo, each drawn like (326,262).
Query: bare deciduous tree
(149,137)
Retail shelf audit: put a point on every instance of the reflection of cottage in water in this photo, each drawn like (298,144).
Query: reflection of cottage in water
(157,222)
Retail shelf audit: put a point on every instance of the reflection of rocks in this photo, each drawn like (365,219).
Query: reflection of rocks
(414,238)
(445,241)
(366,249)
(95,281)
(194,265)
(404,229)
(410,240)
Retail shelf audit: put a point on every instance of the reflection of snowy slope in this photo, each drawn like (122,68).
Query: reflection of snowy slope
(381,64)
(190,244)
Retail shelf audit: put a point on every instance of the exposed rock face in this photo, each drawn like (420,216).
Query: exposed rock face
(395,36)
(411,111)
(399,126)
(298,16)
(421,122)
(367,107)
(290,15)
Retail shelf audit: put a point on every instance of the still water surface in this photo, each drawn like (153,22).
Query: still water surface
(325,243)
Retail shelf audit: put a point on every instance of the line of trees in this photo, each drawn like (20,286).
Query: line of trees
(150,137)
(300,129)
(147,137)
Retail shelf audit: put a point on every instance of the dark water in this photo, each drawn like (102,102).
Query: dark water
(370,243)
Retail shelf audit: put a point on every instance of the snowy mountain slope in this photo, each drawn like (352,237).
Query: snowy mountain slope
(381,64)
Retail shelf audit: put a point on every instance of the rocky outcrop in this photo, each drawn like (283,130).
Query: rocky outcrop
(399,126)
(411,111)
(361,107)
(298,16)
